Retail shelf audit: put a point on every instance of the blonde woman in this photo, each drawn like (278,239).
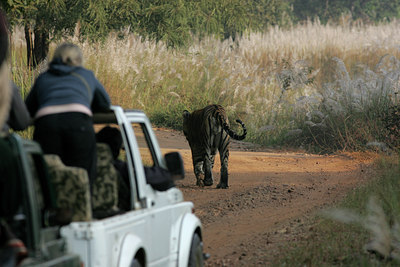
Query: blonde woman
(61,102)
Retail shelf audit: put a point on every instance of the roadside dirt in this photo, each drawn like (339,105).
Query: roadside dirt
(271,196)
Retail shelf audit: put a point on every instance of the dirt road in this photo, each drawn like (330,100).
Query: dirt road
(270,195)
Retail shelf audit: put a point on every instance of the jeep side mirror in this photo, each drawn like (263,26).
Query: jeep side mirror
(175,165)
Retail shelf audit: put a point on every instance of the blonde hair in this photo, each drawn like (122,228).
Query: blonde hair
(70,54)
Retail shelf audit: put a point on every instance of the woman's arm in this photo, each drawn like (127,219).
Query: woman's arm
(101,100)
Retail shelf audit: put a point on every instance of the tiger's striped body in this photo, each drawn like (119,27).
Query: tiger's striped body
(207,130)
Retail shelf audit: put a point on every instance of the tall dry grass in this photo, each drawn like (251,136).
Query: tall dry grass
(278,82)
(362,230)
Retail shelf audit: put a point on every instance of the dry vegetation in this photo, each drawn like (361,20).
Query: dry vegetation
(308,85)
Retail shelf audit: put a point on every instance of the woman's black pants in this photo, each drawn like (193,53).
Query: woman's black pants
(71,136)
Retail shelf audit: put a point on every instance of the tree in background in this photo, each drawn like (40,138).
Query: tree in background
(170,21)
(163,20)
(365,10)
(265,13)
(224,18)
(230,18)
(174,21)
(375,10)
(42,22)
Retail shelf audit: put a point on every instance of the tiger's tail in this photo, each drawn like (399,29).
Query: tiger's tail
(232,134)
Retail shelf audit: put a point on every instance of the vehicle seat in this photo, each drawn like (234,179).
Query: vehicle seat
(71,186)
(105,186)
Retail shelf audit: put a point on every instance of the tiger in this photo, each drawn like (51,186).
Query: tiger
(207,130)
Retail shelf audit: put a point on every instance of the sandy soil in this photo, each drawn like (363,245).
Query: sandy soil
(271,196)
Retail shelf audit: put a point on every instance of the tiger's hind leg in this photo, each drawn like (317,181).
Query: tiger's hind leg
(199,173)
(224,156)
(208,165)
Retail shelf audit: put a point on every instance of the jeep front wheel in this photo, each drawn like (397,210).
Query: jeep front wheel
(196,258)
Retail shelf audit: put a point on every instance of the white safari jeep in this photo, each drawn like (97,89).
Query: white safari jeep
(154,227)
(160,228)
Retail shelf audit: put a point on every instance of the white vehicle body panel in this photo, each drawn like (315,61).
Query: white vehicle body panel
(161,224)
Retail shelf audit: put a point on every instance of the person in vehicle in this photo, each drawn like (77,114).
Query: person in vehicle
(112,137)
(18,118)
(12,249)
(159,178)
(62,101)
